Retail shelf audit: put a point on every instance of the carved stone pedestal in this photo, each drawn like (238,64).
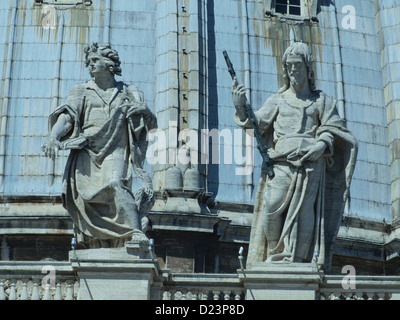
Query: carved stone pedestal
(295,281)
(127,273)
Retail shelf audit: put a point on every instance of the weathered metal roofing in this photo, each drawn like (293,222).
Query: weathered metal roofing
(39,67)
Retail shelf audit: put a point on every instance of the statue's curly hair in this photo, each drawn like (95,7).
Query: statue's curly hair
(107,52)
(303,50)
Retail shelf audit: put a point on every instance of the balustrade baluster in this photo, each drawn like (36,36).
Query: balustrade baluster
(183,296)
(194,295)
(35,290)
(47,293)
(227,294)
(328,296)
(362,296)
(348,295)
(370,295)
(204,295)
(2,293)
(177,295)
(238,294)
(57,294)
(24,290)
(358,296)
(216,294)
(13,291)
(70,290)
(166,295)
(336,296)
(380,295)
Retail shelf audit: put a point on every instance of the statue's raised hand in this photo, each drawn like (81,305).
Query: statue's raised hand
(239,99)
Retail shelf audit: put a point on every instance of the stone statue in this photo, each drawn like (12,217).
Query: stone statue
(104,123)
(298,212)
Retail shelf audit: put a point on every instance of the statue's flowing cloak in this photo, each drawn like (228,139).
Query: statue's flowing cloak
(334,181)
(97,180)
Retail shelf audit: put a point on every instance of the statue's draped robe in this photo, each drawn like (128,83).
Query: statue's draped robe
(98,178)
(297,213)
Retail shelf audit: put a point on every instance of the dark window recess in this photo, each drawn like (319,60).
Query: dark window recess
(279,8)
(292,7)
(294,11)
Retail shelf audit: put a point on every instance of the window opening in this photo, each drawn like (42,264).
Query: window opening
(292,7)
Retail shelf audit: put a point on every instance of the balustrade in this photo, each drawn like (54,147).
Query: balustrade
(32,289)
(23,281)
(362,288)
(351,295)
(203,287)
(28,280)
(202,294)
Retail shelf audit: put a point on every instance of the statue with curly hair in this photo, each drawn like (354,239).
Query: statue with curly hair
(104,124)
(297,213)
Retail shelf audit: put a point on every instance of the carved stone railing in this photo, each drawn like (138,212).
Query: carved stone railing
(362,288)
(227,287)
(53,280)
(202,286)
(37,280)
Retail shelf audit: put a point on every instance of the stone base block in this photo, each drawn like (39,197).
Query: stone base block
(295,281)
(116,274)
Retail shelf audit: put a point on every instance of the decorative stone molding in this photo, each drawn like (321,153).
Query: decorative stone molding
(63,2)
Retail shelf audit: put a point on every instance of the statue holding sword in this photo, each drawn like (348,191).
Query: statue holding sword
(300,202)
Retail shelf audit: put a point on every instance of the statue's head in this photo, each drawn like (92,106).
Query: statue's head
(109,58)
(299,55)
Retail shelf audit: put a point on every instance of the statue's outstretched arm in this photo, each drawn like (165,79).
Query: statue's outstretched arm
(60,129)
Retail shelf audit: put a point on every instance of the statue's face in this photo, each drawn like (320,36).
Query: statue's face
(97,65)
(296,69)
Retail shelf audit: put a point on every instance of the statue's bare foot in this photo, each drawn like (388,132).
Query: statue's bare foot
(140,238)
(283,257)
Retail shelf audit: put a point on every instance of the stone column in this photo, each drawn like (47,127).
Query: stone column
(167,83)
(181,77)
